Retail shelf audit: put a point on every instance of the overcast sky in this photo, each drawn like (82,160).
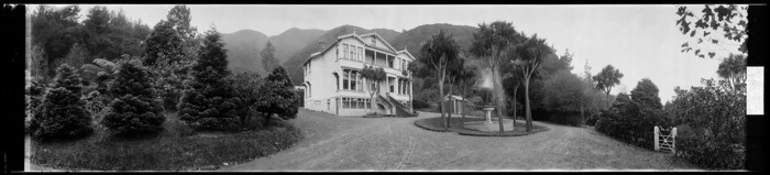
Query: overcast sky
(640,40)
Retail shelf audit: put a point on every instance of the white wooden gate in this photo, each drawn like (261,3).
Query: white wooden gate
(665,139)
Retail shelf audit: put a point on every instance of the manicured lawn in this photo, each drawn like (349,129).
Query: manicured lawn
(176,148)
(435,124)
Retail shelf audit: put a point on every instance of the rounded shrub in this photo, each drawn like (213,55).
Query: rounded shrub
(135,111)
(61,115)
(210,102)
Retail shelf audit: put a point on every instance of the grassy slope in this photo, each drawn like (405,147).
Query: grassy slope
(169,150)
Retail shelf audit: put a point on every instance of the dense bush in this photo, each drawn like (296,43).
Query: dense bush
(635,130)
(592,119)
(566,118)
(34,92)
(93,102)
(277,97)
(420,104)
(564,92)
(631,118)
(134,111)
(301,95)
(61,114)
(246,87)
(210,102)
(716,118)
(709,154)
(570,99)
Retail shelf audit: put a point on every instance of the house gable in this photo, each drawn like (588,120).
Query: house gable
(379,42)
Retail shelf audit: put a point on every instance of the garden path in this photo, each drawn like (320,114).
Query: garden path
(355,143)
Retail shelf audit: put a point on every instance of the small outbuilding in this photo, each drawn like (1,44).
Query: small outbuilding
(454,104)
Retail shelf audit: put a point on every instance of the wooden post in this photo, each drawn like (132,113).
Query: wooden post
(673,140)
(656,132)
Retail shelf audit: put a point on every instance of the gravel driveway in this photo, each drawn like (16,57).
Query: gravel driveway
(355,143)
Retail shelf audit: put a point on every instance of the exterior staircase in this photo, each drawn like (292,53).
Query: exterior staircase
(385,103)
(401,109)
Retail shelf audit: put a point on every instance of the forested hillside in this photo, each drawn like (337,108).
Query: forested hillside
(294,64)
(58,37)
(292,40)
(243,50)
(414,38)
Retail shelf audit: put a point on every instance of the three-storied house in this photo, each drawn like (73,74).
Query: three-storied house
(333,82)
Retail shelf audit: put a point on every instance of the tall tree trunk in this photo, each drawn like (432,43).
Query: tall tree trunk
(499,99)
(441,96)
(513,124)
(527,110)
(449,114)
(465,102)
(609,105)
(582,111)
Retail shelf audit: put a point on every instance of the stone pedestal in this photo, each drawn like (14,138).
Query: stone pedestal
(488,114)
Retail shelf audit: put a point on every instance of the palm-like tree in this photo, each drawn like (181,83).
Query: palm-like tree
(490,43)
(606,79)
(440,53)
(530,56)
(733,70)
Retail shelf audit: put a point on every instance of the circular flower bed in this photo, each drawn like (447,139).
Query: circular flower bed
(456,125)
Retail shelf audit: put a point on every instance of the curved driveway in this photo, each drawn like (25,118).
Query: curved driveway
(355,143)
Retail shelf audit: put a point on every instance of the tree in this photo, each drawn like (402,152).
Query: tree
(247,88)
(373,76)
(490,43)
(607,78)
(717,137)
(135,110)
(210,101)
(729,20)
(179,16)
(530,56)
(278,97)
(646,93)
(733,71)
(512,83)
(97,27)
(465,79)
(164,42)
(170,52)
(269,62)
(439,53)
(460,75)
(54,31)
(566,92)
(62,113)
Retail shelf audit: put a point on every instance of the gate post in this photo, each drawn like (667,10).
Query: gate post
(673,140)
(656,142)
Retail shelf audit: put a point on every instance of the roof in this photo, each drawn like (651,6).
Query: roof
(358,37)
(407,53)
(456,97)
(381,38)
